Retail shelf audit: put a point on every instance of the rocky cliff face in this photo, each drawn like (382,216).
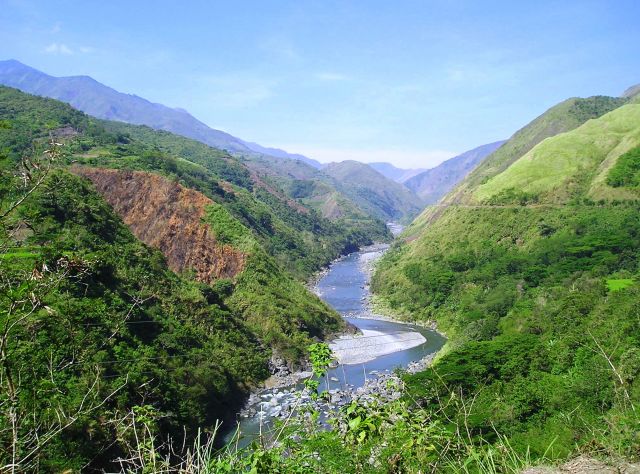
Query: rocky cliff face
(167,216)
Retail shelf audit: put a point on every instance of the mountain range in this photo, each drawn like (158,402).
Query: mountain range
(333,199)
(141,263)
(90,96)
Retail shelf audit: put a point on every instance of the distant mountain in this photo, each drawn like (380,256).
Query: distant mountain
(432,184)
(90,96)
(632,92)
(399,175)
(278,153)
(374,192)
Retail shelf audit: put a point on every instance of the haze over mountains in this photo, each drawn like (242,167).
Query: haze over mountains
(90,96)
(399,175)
(101,101)
(432,184)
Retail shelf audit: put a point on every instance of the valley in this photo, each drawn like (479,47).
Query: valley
(422,256)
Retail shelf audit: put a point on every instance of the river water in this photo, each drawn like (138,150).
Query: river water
(345,287)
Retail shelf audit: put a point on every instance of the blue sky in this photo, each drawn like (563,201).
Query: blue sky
(409,82)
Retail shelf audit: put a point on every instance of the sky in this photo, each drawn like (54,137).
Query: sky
(407,82)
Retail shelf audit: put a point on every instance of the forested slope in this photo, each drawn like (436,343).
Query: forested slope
(97,329)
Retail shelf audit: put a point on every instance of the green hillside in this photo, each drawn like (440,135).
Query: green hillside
(533,277)
(97,329)
(340,198)
(571,164)
(561,118)
(300,237)
(373,192)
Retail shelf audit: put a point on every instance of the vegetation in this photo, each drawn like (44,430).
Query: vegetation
(299,238)
(536,290)
(564,117)
(95,325)
(626,171)
(562,167)
(98,337)
(377,195)
(107,357)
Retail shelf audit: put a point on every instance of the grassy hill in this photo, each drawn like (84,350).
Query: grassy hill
(561,118)
(572,164)
(532,273)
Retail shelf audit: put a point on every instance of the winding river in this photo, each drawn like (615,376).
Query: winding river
(382,346)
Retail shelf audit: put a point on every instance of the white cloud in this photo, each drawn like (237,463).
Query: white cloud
(56,28)
(331,76)
(398,157)
(58,48)
(86,49)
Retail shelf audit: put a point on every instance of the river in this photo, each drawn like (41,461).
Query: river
(382,346)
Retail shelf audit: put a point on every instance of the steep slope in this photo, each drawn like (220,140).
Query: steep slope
(534,279)
(301,239)
(169,217)
(432,184)
(97,327)
(108,332)
(399,175)
(561,118)
(570,165)
(216,229)
(373,192)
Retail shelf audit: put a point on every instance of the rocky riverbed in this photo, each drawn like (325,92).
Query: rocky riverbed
(369,357)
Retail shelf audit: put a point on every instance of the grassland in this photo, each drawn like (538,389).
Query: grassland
(564,166)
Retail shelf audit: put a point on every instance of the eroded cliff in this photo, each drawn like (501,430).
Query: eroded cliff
(169,217)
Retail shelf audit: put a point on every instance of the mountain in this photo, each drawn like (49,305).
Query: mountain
(96,99)
(373,192)
(571,165)
(160,267)
(632,92)
(560,118)
(399,175)
(278,153)
(432,184)
(531,269)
